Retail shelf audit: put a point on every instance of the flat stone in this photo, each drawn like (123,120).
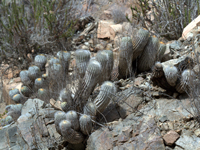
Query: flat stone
(197,132)
(103,29)
(163,119)
(171,137)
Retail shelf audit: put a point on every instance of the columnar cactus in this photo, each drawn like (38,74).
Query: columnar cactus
(58,117)
(107,91)
(171,74)
(72,116)
(105,57)
(139,40)
(148,56)
(34,72)
(82,58)
(125,57)
(90,79)
(69,134)
(24,77)
(90,109)
(40,61)
(64,57)
(85,124)
(161,51)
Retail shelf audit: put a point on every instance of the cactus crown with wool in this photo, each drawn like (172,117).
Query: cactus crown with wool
(17,98)
(85,124)
(25,91)
(13,92)
(171,74)
(39,83)
(72,116)
(24,77)
(40,61)
(33,72)
(90,109)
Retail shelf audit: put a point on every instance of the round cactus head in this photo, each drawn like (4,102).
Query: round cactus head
(40,61)
(64,106)
(72,116)
(90,109)
(53,60)
(26,91)
(33,72)
(187,77)
(42,93)
(17,98)
(24,77)
(13,92)
(65,124)
(171,74)
(65,96)
(85,124)
(45,76)
(39,83)
(94,67)
(157,70)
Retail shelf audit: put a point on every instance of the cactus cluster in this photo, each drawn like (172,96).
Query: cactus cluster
(139,52)
(173,78)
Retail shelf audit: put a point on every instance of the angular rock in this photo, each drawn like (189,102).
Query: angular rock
(171,137)
(103,29)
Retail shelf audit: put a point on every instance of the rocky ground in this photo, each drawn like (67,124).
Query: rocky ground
(142,116)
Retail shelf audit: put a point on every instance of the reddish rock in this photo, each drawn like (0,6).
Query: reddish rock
(103,29)
(171,137)
(138,81)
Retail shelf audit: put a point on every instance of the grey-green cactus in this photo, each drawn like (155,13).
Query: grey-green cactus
(139,41)
(40,61)
(157,70)
(107,91)
(34,72)
(64,57)
(171,74)
(65,96)
(17,98)
(39,83)
(161,51)
(14,111)
(90,109)
(58,117)
(65,106)
(53,60)
(13,92)
(82,59)
(72,116)
(69,134)
(85,124)
(90,79)
(55,71)
(24,77)
(42,93)
(26,91)
(125,57)
(186,80)
(8,120)
(148,56)
(3,122)
(105,57)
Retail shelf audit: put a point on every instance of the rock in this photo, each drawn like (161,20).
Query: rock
(99,47)
(138,81)
(103,29)
(171,137)
(190,26)
(32,105)
(175,46)
(197,132)
(163,119)
(114,29)
(188,141)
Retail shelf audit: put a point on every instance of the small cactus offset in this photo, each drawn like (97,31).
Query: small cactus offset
(90,79)
(125,57)
(107,91)
(26,91)
(17,98)
(42,93)
(34,72)
(40,61)
(64,57)
(139,41)
(90,109)
(157,70)
(148,57)
(13,92)
(171,74)
(24,77)
(69,134)
(82,59)
(105,57)
(85,124)
(58,117)
(72,116)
